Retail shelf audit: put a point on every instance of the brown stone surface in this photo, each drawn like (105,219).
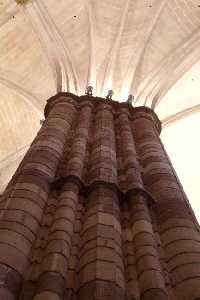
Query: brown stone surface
(101,290)
(96,211)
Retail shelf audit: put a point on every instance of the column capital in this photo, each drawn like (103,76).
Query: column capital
(135,112)
(55,99)
(148,113)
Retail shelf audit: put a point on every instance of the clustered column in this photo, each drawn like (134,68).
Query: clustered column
(96,211)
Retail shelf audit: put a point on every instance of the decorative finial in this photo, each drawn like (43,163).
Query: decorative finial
(21,2)
(89,90)
(130,99)
(110,94)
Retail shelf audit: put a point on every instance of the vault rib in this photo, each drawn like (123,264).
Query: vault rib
(179,70)
(180,115)
(46,42)
(130,81)
(27,96)
(112,56)
(92,69)
(137,70)
(13,157)
(64,53)
(153,78)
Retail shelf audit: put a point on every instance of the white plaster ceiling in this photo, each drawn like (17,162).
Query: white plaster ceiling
(148,48)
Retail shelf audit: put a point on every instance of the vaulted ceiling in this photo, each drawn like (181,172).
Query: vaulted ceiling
(147,48)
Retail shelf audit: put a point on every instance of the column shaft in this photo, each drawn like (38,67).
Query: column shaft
(176,223)
(147,260)
(24,200)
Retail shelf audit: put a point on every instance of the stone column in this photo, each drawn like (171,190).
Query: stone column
(132,286)
(23,202)
(101,269)
(101,273)
(56,260)
(177,225)
(74,261)
(147,262)
(53,273)
(31,278)
(76,161)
